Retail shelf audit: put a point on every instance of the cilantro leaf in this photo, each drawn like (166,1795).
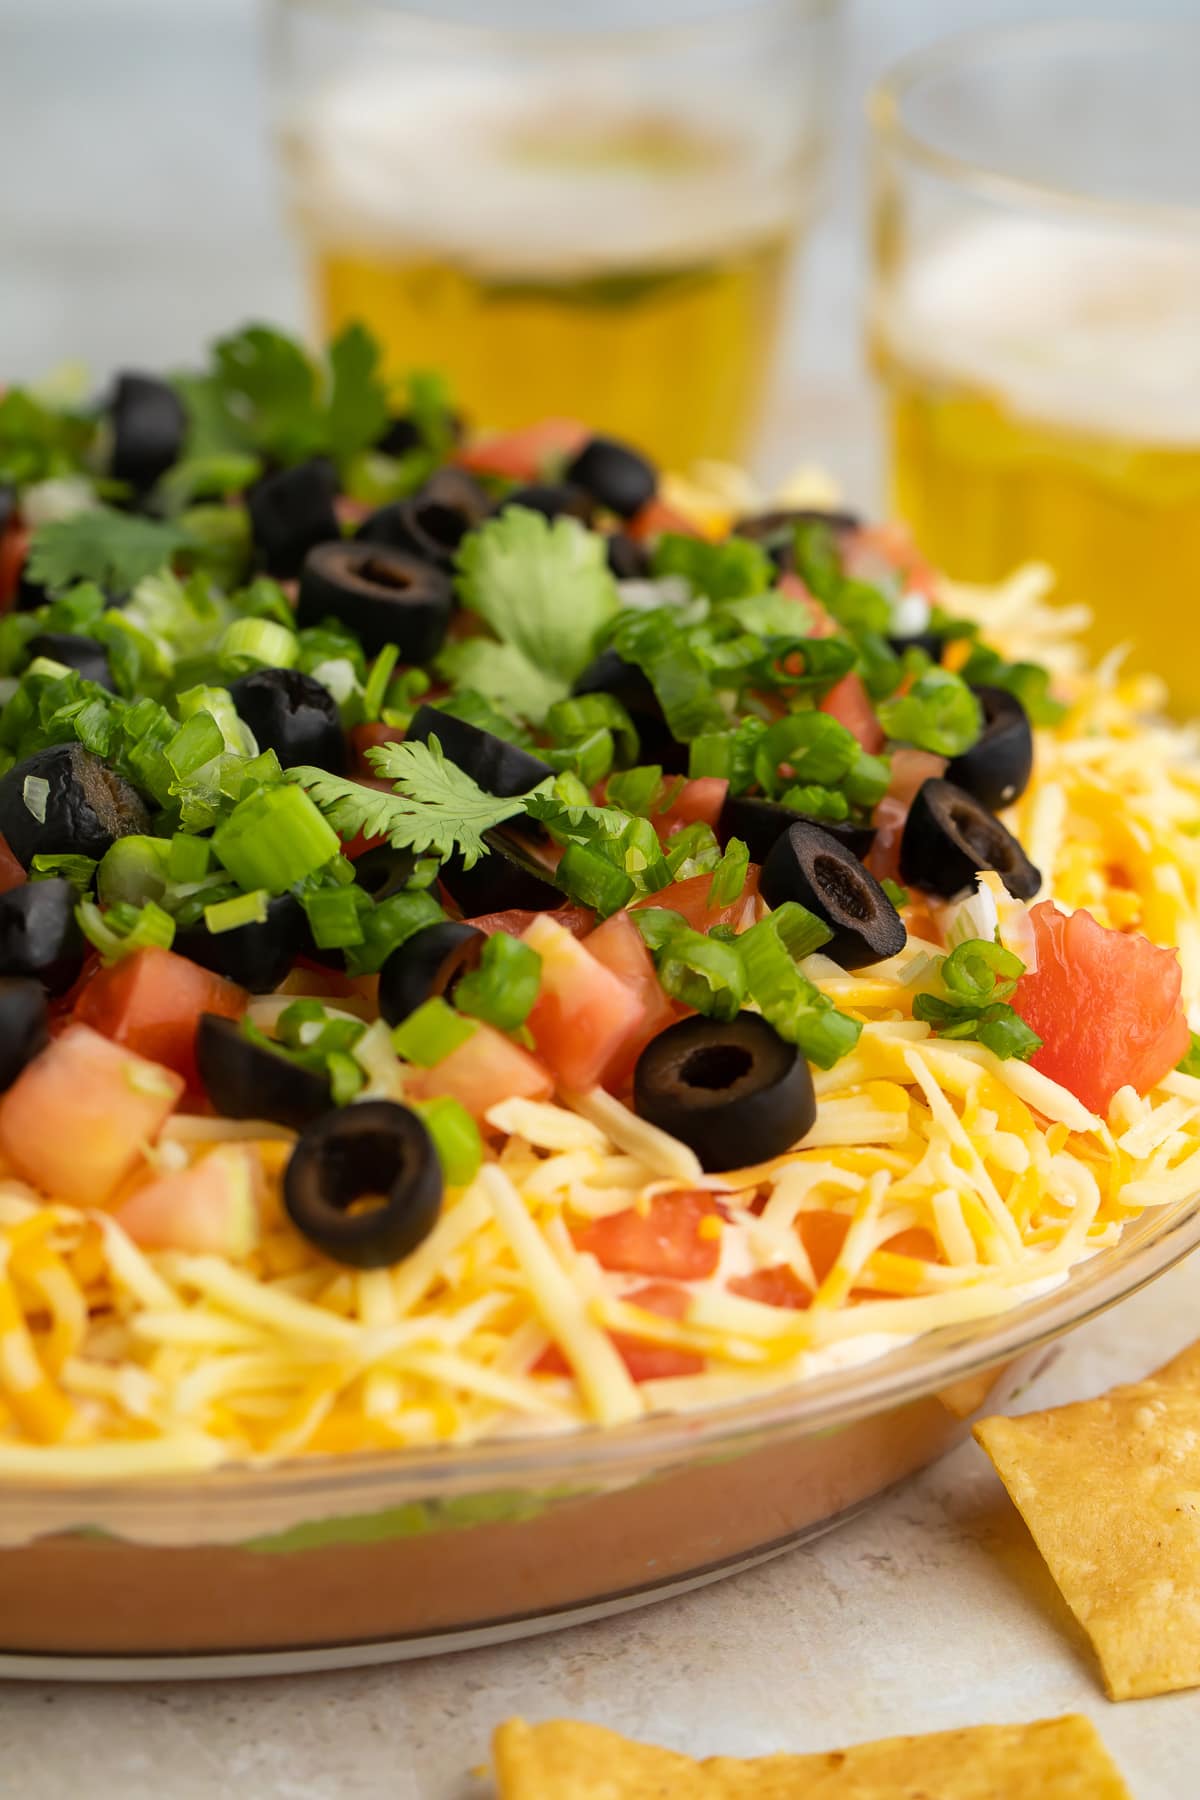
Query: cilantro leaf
(732,570)
(358,410)
(114,549)
(36,441)
(545,589)
(269,389)
(1189,1064)
(437,807)
(504,675)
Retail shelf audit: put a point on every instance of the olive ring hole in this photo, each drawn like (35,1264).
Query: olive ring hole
(715,1066)
(842,888)
(385,574)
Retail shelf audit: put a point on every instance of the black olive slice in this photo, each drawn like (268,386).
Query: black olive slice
(949,836)
(148,426)
(373,1152)
(554,500)
(294,715)
(731,1090)
(809,866)
(431,523)
(244,1080)
(39,936)
(427,965)
(74,652)
(256,956)
(776,530)
(931,642)
(290,512)
(403,434)
(614,474)
(383,871)
(86,807)
(761,823)
(23,1028)
(8,504)
(510,876)
(499,767)
(626,557)
(383,595)
(997,767)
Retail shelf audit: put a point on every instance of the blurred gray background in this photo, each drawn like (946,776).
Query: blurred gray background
(140,211)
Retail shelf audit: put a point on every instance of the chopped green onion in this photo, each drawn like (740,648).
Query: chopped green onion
(387,925)
(78,870)
(274,839)
(979,976)
(589,757)
(800,931)
(692,851)
(728,754)
(658,645)
(789,1002)
(702,972)
(188,857)
(335,916)
(257,643)
(729,876)
(938,713)
(231,915)
(815,748)
(455,1138)
(980,971)
(196,742)
(431,1034)
(504,986)
(583,714)
(125,928)
(346,1079)
(899,896)
(722,571)
(638,791)
(656,923)
(133,868)
(35,792)
(586,874)
(1190,1063)
(377,682)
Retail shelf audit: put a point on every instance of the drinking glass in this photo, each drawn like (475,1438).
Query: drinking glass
(1035,318)
(587,210)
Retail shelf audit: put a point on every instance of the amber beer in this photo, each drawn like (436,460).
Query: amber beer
(622,259)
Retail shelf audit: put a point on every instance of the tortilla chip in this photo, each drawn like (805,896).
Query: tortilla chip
(1053,1759)
(1110,1490)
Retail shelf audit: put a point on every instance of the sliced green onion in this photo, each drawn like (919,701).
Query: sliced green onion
(939,713)
(80,871)
(799,931)
(1189,1064)
(722,571)
(257,643)
(817,802)
(196,742)
(638,791)
(692,851)
(429,1035)
(789,1002)
(586,874)
(188,857)
(335,916)
(702,972)
(125,928)
(868,779)
(656,924)
(504,986)
(814,747)
(589,757)
(729,876)
(346,1079)
(389,924)
(583,714)
(657,644)
(979,971)
(728,754)
(377,682)
(133,868)
(243,909)
(455,1138)
(274,839)
(35,792)
(899,896)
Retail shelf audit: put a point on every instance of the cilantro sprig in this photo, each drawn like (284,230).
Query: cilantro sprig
(114,549)
(436,807)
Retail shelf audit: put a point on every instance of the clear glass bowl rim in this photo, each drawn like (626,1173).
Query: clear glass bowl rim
(893,135)
(1152,1244)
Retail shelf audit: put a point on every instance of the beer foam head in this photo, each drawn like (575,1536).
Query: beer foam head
(511,176)
(1092,328)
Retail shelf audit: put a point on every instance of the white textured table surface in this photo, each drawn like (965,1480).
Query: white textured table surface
(931,1610)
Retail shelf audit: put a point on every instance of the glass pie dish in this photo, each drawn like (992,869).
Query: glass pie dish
(331,1562)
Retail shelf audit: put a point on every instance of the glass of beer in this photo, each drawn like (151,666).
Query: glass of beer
(583,208)
(1035,318)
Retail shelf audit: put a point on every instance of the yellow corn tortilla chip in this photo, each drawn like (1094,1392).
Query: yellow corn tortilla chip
(1110,1490)
(1052,1759)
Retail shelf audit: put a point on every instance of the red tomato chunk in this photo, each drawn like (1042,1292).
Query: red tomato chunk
(670,1239)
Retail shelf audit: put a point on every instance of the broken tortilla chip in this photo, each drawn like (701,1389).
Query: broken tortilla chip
(1110,1491)
(1052,1759)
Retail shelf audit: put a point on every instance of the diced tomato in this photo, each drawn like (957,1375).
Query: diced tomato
(876,551)
(645,1362)
(669,1239)
(152,1001)
(213,1206)
(822,1234)
(14,546)
(698,802)
(1106,1006)
(578,920)
(584,1014)
(690,900)
(776,1286)
(848,703)
(910,770)
(370,737)
(619,945)
(656,517)
(12,871)
(488,1068)
(77,1118)
(524,455)
(820,623)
